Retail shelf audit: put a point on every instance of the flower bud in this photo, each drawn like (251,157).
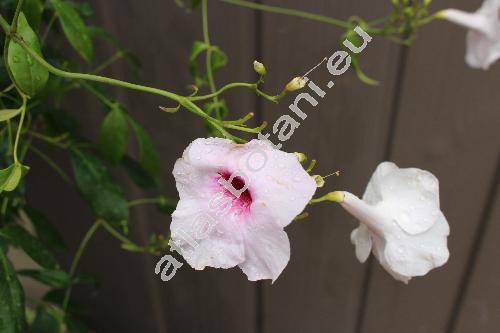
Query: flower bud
(259,68)
(297,83)
(337,196)
(301,157)
(320,182)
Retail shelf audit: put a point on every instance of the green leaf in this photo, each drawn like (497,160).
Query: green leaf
(33,10)
(30,77)
(47,320)
(20,238)
(148,158)
(45,231)
(12,313)
(219,59)
(74,28)
(197,48)
(97,188)
(7,114)
(114,135)
(74,326)
(53,278)
(137,173)
(10,177)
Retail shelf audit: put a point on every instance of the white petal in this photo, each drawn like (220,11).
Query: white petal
(362,241)
(481,50)
(267,248)
(204,238)
(278,180)
(410,196)
(372,193)
(417,255)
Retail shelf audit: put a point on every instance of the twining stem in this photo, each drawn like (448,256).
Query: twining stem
(47,29)
(289,12)
(252,86)
(13,26)
(117,56)
(51,163)
(118,235)
(20,127)
(77,257)
(144,201)
(208,59)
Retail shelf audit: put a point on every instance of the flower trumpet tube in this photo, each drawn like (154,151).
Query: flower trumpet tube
(483,37)
(400,221)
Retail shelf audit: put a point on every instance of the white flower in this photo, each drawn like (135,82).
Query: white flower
(401,221)
(483,38)
(235,201)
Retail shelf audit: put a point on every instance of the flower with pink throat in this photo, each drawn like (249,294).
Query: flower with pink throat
(483,38)
(235,200)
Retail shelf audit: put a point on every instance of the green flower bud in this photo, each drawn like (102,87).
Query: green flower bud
(259,68)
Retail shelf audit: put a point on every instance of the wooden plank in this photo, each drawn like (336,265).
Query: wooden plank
(448,124)
(132,297)
(478,310)
(320,289)
(219,300)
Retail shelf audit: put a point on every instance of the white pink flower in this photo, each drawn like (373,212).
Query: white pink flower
(400,221)
(483,38)
(234,202)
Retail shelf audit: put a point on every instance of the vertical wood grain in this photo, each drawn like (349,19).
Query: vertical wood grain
(321,288)
(477,307)
(448,124)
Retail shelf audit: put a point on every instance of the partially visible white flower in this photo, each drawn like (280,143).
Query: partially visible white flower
(483,38)
(216,227)
(400,221)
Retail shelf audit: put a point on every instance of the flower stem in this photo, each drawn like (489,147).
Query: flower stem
(13,26)
(143,201)
(210,74)
(289,12)
(20,127)
(77,257)
(51,163)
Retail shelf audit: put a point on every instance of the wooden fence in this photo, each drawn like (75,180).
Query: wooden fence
(429,111)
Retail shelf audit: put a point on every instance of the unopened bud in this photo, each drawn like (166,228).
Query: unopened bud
(259,68)
(337,196)
(301,157)
(297,83)
(320,182)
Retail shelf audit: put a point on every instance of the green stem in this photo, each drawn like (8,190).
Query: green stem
(117,56)
(51,163)
(206,39)
(106,101)
(114,82)
(56,141)
(117,235)
(289,12)
(20,127)
(49,26)
(252,86)
(13,26)
(76,259)
(143,201)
